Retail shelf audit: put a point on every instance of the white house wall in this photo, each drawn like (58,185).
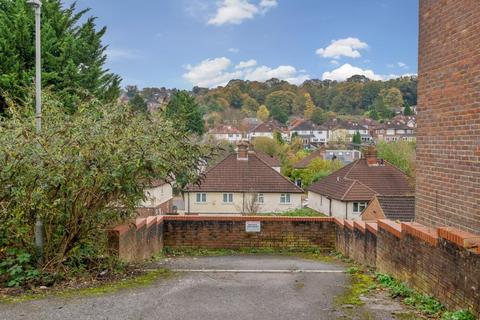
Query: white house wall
(215,204)
(321,204)
(157,195)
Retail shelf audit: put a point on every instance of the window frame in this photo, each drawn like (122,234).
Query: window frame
(201,197)
(359,206)
(258,197)
(285,198)
(227,196)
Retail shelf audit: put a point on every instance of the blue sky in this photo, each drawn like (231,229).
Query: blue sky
(182,43)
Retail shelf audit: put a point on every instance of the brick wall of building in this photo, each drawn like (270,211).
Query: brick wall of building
(448,134)
(229,232)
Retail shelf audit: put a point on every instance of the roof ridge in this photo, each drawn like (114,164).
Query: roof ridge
(351,168)
(278,173)
(348,190)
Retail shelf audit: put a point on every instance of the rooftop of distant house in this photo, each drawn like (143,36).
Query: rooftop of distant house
(363,179)
(395,207)
(269,126)
(336,123)
(244,171)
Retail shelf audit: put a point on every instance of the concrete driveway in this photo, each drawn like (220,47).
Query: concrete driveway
(210,288)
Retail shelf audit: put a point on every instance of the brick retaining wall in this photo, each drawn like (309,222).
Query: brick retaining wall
(229,232)
(443,262)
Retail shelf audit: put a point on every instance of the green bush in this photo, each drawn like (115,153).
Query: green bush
(83,173)
(458,315)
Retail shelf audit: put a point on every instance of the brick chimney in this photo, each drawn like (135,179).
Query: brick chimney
(242,153)
(370,154)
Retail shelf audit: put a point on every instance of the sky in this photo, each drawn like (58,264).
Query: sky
(186,43)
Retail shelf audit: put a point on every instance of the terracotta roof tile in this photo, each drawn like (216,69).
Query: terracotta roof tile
(359,181)
(400,208)
(268,159)
(302,164)
(252,175)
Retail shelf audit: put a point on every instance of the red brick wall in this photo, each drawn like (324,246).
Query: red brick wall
(229,232)
(443,263)
(448,134)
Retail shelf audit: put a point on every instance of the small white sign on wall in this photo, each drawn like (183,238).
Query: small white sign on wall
(252,226)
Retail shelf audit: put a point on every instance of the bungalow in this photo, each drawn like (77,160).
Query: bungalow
(345,156)
(242,183)
(396,208)
(158,199)
(347,192)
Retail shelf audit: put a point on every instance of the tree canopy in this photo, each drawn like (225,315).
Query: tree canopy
(184,110)
(73,56)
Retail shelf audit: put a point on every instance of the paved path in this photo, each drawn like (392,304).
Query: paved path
(194,294)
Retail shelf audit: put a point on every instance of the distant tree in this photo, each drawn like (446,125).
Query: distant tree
(392,98)
(263,113)
(266,145)
(249,105)
(281,100)
(138,104)
(277,135)
(401,154)
(279,114)
(183,109)
(73,56)
(357,138)
(309,107)
(131,91)
(407,111)
(318,116)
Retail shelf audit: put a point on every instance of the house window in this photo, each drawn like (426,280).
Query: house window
(201,197)
(227,197)
(285,198)
(259,198)
(358,207)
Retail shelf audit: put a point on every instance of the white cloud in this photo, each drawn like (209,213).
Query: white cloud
(233,50)
(218,71)
(402,65)
(348,47)
(346,71)
(268,4)
(236,11)
(115,54)
(211,73)
(334,62)
(246,64)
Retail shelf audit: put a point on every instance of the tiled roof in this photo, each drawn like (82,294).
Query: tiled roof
(343,124)
(269,126)
(398,207)
(306,161)
(224,130)
(303,126)
(359,181)
(393,125)
(268,159)
(252,175)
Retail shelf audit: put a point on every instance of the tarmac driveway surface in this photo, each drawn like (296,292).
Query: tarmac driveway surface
(210,288)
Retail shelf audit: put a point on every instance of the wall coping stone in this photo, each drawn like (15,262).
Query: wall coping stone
(151,220)
(419,231)
(140,222)
(248,218)
(349,224)
(360,225)
(459,237)
(372,227)
(339,222)
(390,226)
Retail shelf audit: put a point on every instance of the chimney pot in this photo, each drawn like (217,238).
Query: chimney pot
(242,153)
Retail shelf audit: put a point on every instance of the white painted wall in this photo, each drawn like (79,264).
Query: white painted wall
(321,204)
(157,195)
(215,204)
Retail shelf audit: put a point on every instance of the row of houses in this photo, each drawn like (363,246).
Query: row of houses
(400,128)
(249,183)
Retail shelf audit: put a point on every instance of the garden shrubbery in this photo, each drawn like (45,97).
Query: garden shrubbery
(82,174)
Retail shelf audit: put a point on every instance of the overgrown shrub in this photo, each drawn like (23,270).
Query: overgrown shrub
(83,173)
